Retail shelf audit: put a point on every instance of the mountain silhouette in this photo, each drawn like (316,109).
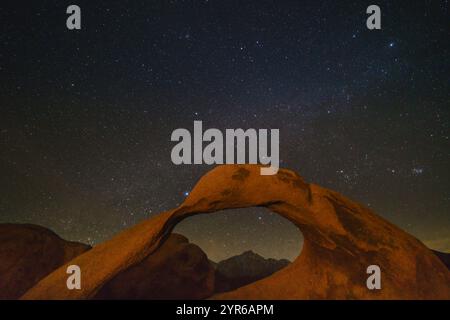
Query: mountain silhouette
(243,269)
(445,257)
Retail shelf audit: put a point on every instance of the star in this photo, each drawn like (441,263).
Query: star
(92,129)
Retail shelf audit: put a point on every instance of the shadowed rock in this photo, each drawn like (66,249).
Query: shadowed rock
(341,239)
(28,253)
(177,270)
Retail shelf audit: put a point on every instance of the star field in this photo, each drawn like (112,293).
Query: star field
(86,116)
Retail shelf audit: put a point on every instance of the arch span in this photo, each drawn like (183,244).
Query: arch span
(231,232)
(341,239)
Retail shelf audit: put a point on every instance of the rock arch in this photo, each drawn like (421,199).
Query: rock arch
(341,239)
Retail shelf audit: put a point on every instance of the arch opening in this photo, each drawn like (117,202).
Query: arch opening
(243,245)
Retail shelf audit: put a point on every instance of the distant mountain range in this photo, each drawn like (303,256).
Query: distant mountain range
(445,257)
(243,269)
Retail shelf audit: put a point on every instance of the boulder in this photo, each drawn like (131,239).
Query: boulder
(28,253)
(177,270)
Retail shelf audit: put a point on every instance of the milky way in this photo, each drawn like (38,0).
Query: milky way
(86,116)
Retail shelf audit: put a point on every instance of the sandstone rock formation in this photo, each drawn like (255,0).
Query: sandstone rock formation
(341,238)
(177,270)
(28,253)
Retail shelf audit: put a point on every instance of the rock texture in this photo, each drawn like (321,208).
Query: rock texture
(177,270)
(244,269)
(341,239)
(28,253)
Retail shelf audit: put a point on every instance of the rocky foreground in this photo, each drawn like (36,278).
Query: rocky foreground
(177,270)
(341,239)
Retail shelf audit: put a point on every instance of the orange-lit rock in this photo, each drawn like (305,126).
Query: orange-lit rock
(177,270)
(341,238)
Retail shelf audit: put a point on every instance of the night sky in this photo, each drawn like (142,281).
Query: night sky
(86,116)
